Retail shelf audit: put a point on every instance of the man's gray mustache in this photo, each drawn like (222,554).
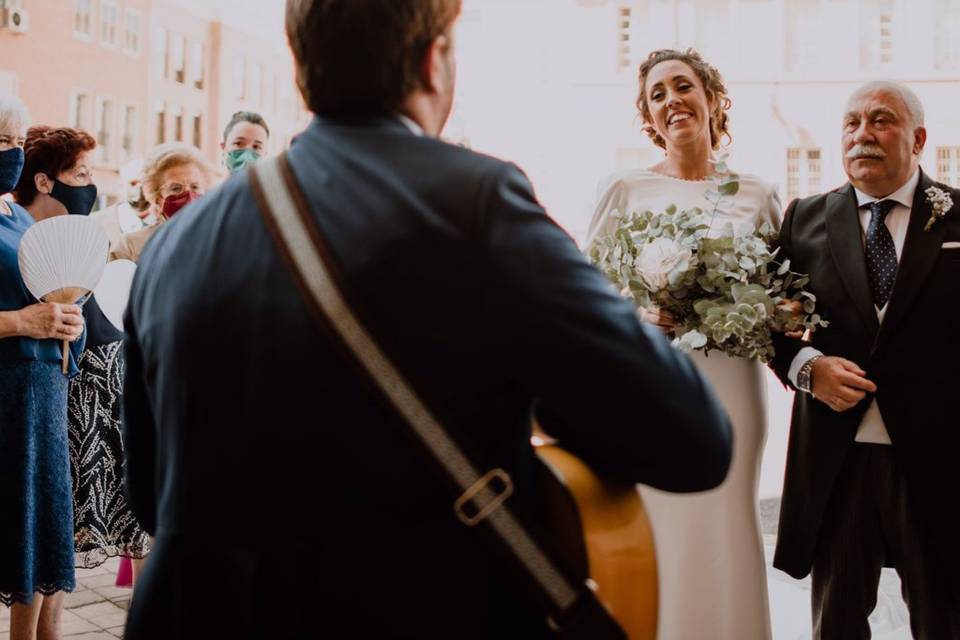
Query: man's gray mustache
(865,151)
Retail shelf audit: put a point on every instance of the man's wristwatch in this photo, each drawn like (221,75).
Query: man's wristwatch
(804,381)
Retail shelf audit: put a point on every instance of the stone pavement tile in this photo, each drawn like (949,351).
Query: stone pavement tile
(113,592)
(96,635)
(81,598)
(100,580)
(112,564)
(98,609)
(4,635)
(75,625)
(117,631)
(123,603)
(95,571)
(110,619)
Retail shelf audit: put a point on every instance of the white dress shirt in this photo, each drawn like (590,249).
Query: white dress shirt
(411,124)
(871,427)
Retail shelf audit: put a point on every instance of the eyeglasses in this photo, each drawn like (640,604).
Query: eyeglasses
(176,189)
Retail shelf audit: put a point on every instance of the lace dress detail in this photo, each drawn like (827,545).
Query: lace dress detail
(103,523)
(36,511)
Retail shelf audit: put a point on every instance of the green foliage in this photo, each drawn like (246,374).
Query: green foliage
(724,288)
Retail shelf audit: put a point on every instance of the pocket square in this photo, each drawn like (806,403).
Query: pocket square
(951,245)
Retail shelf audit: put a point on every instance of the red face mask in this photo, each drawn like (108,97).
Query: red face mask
(173,204)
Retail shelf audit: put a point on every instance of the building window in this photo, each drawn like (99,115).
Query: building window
(624,26)
(108,23)
(178,60)
(948,165)
(161,51)
(161,122)
(81,17)
(129,132)
(878,33)
(198,131)
(197,64)
(803,172)
(104,127)
(793,174)
(178,125)
(79,106)
(131,31)
(802,47)
(813,171)
(886,38)
(946,25)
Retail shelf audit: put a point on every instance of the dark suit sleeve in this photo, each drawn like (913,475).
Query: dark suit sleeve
(610,389)
(139,432)
(785,348)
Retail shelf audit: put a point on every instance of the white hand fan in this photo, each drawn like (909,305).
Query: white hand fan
(113,292)
(61,260)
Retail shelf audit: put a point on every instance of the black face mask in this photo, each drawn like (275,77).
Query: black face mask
(11,164)
(77,200)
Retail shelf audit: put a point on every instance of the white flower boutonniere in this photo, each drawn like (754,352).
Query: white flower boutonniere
(941,202)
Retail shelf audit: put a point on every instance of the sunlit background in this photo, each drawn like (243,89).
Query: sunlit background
(548,84)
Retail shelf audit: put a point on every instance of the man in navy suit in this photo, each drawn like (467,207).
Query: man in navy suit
(287,498)
(874,435)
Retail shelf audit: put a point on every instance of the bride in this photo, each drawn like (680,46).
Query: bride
(709,548)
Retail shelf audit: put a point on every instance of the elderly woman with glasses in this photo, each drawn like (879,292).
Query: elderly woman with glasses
(36,509)
(174,175)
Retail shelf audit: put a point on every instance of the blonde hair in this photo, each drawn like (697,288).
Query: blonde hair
(166,156)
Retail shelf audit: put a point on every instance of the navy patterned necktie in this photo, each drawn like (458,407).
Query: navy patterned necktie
(881,253)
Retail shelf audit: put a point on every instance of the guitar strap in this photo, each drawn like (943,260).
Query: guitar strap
(573,610)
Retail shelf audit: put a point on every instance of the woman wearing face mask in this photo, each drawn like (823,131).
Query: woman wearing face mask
(244,140)
(709,548)
(174,175)
(57,180)
(36,509)
(132,213)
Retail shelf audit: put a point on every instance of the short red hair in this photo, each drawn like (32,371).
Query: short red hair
(50,151)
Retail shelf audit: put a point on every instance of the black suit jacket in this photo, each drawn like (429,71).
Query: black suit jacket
(914,359)
(281,487)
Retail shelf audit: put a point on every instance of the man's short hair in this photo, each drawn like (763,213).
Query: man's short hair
(363,56)
(906,94)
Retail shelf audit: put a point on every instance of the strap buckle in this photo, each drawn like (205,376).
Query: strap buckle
(488,496)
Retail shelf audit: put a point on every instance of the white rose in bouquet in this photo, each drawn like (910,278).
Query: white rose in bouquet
(658,258)
(723,285)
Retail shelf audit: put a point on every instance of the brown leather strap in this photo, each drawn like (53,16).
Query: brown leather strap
(482,497)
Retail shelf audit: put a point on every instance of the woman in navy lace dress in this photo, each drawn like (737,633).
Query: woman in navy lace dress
(36,508)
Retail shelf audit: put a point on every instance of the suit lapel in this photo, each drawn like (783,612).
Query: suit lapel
(920,251)
(846,246)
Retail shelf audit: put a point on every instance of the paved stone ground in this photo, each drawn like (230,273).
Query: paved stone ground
(97,610)
(769,516)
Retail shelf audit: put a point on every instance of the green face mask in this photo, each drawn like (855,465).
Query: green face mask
(239,158)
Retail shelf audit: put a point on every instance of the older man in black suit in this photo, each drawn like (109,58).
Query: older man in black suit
(874,437)
(287,498)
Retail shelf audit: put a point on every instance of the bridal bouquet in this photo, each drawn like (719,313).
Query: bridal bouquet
(726,289)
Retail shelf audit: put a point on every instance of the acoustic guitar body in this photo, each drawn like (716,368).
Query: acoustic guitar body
(605,528)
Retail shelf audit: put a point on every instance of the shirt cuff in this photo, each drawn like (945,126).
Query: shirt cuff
(798,360)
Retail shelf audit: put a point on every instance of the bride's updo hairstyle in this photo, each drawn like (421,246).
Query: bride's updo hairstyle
(712,83)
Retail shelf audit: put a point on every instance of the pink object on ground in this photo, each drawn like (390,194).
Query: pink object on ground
(125,573)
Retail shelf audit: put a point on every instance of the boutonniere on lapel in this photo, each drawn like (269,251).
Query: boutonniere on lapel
(940,203)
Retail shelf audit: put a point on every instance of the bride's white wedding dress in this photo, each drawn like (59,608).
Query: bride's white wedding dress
(709,548)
